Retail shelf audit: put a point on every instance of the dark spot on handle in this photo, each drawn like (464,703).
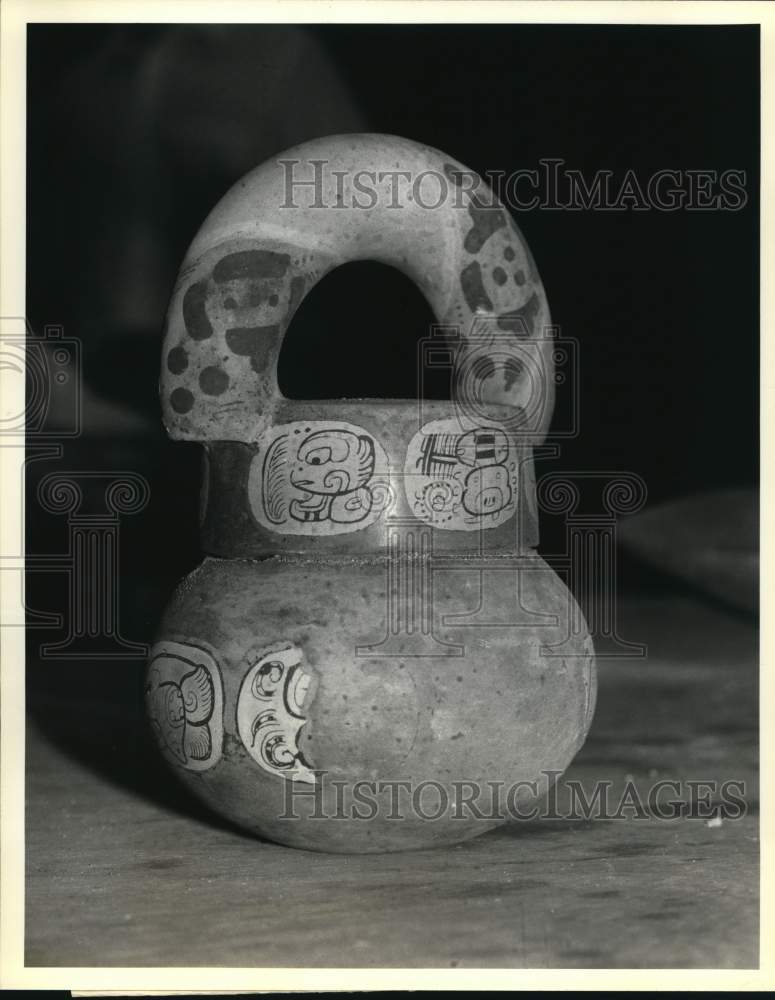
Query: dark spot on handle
(194,314)
(499,276)
(519,277)
(181,400)
(487,220)
(251,264)
(177,360)
(473,288)
(254,342)
(213,381)
(509,253)
(520,321)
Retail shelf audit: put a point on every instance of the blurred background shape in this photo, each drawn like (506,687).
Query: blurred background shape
(709,540)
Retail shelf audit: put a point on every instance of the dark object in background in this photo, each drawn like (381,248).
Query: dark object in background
(710,540)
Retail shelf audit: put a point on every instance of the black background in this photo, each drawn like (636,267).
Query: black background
(664,305)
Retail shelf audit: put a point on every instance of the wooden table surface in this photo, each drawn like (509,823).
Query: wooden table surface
(123,869)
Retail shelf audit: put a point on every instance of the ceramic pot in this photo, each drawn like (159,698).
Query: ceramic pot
(372,645)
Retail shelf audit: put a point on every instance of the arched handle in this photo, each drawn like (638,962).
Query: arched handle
(343,198)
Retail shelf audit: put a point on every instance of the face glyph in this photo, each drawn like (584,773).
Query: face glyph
(318,478)
(333,463)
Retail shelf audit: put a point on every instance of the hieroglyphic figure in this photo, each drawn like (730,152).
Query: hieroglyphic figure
(185,704)
(461,481)
(315,478)
(333,468)
(271,712)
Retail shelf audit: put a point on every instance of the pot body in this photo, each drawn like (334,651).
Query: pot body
(321,704)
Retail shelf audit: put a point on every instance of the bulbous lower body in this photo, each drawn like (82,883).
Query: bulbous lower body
(341,705)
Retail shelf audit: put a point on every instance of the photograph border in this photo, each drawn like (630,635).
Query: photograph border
(15,15)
